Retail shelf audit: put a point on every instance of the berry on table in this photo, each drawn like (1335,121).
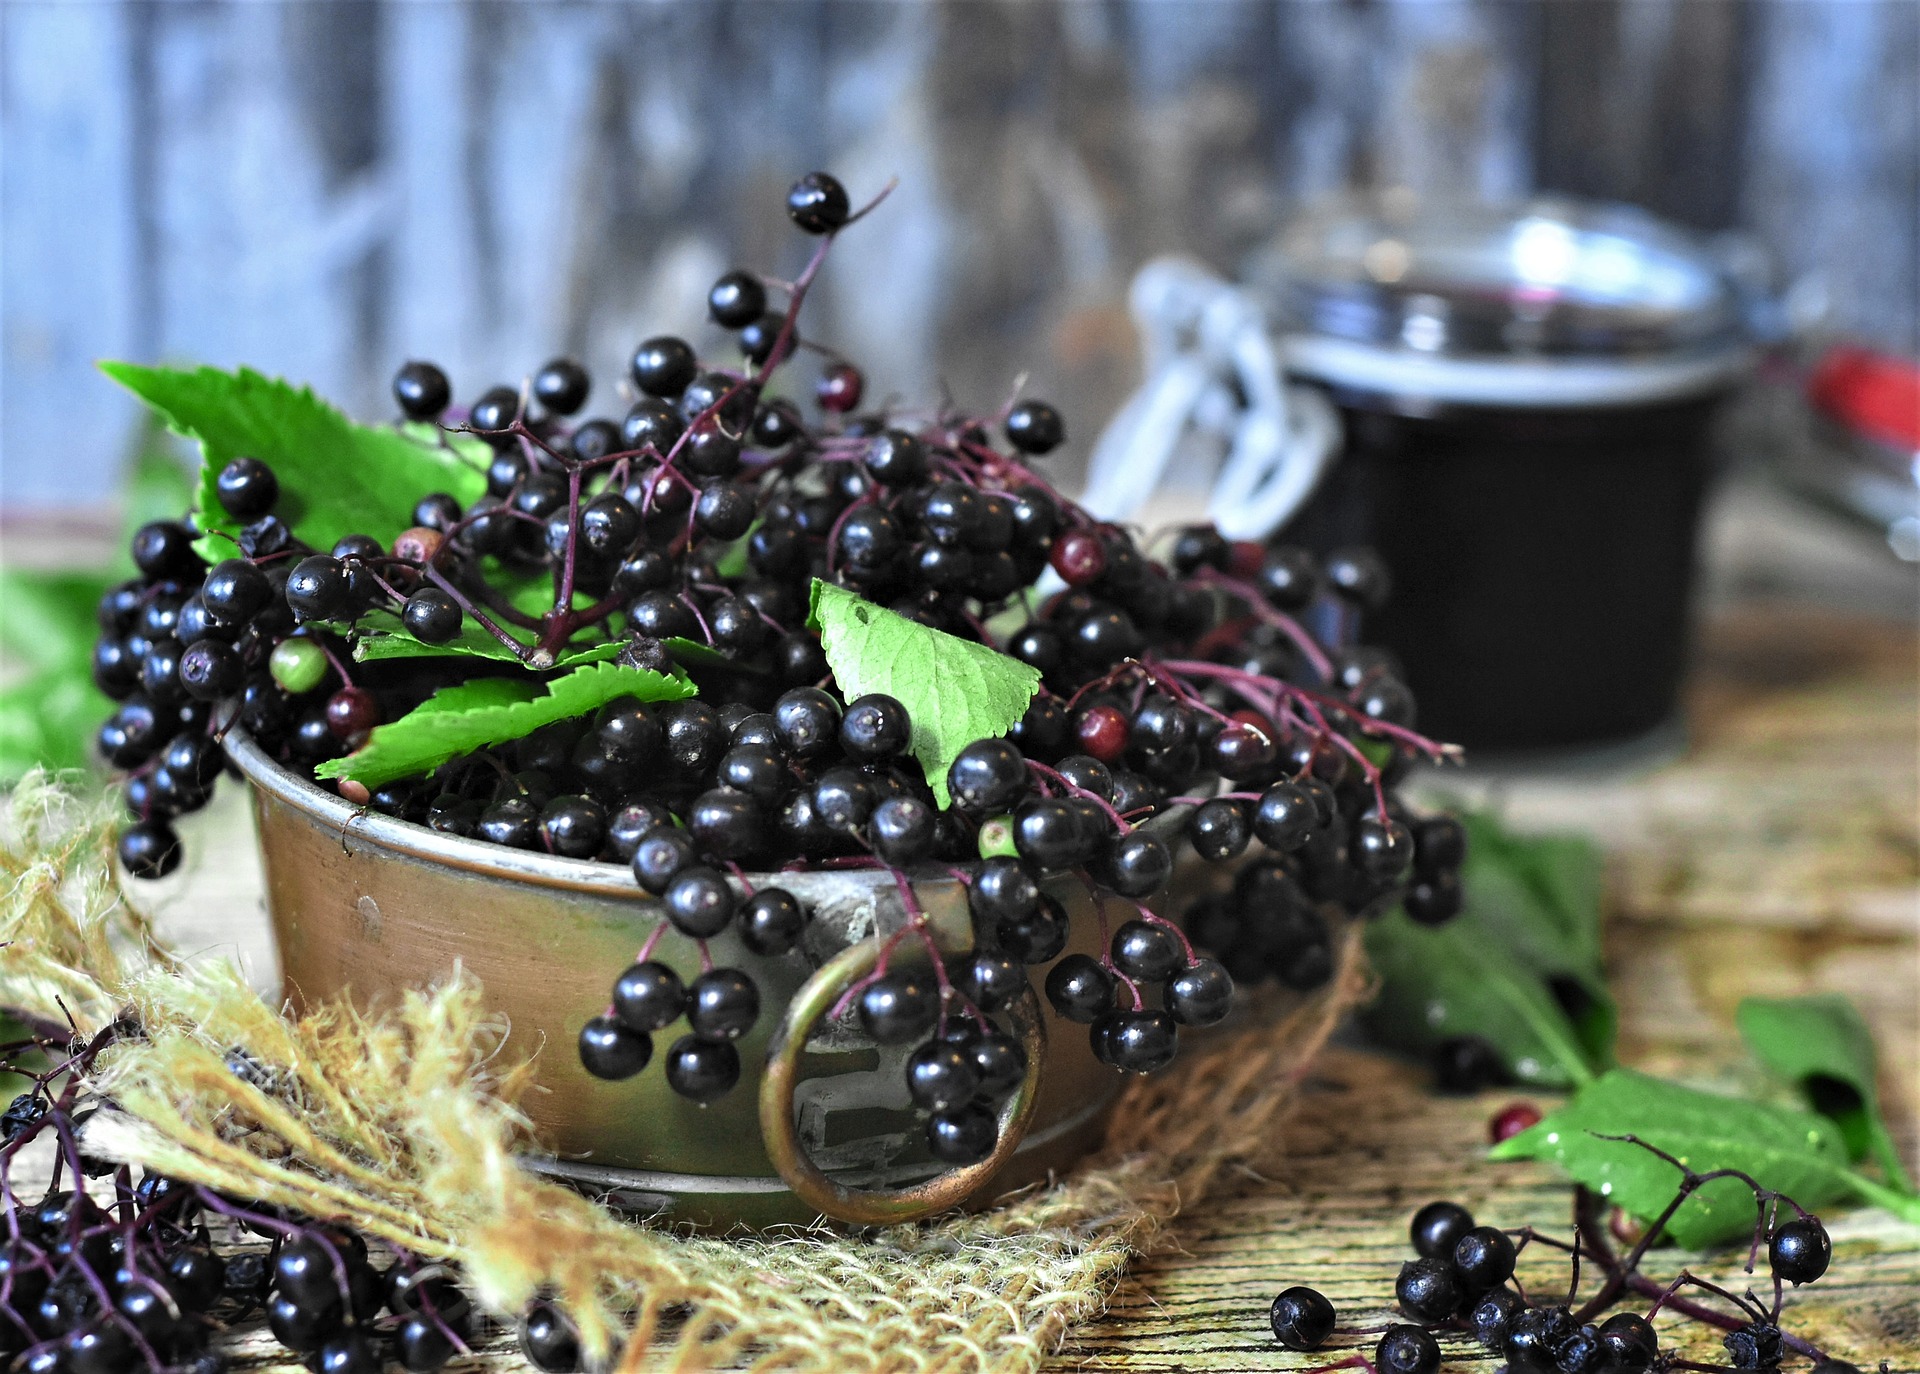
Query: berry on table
(1483,1258)
(1429,1290)
(1302,1318)
(1512,1119)
(1406,1350)
(1800,1250)
(1437,1228)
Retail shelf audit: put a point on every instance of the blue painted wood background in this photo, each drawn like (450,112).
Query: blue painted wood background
(322,189)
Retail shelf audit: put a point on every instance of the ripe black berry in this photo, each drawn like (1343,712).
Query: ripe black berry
(1302,1318)
(771,921)
(1380,849)
(808,720)
(1000,1061)
(1146,952)
(966,1135)
(990,979)
(149,849)
(1136,1041)
(1581,1353)
(896,459)
(1079,988)
(1483,1258)
(612,1050)
(649,996)
(163,549)
(902,831)
(549,1341)
(1800,1250)
(1358,576)
(247,488)
(1137,865)
(317,588)
(941,1076)
(900,1007)
(431,616)
(1036,937)
(1428,1290)
(1200,994)
(736,300)
(660,856)
(702,1070)
(1534,1338)
(875,728)
(663,366)
(818,203)
(561,386)
(1035,427)
(208,670)
(1492,1315)
(698,900)
(987,777)
(496,409)
(1434,901)
(1632,1344)
(1407,1350)
(722,1004)
(1437,1228)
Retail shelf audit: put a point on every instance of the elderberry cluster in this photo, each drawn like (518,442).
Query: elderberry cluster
(1184,700)
(1462,1280)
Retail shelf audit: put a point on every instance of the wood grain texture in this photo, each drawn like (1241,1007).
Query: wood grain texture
(321,188)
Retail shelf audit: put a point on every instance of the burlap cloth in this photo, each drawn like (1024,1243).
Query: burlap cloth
(405,1127)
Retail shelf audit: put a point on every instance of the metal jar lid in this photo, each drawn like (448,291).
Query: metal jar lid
(1549,303)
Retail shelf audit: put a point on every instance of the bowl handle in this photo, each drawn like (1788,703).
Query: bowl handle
(880,1207)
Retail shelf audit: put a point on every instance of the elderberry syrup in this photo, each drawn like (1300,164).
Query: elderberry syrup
(1526,394)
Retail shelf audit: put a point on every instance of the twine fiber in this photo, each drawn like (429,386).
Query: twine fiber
(404,1125)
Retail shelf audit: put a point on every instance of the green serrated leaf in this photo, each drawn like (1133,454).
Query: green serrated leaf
(1439,984)
(954,690)
(1518,968)
(470,448)
(336,477)
(375,643)
(1792,1152)
(458,720)
(1824,1046)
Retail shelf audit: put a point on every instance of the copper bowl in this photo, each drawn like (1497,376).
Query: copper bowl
(820,1124)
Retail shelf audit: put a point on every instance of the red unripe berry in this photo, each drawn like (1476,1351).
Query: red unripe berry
(1512,1119)
(351,712)
(1246,557)
(418,545)
(1080,557)
(839,390)
(1102,732)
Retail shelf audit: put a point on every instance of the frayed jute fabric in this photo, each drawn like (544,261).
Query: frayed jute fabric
(405,1125)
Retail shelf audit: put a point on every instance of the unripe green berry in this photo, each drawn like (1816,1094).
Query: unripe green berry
(996,838)
(298,665)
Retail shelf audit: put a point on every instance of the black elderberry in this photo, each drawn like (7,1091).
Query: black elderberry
(1534,1338)
(246,488)
(421,1345)
(561,386)
(663,366)
(651,423)
(662,615)
(1147,952)
(1800,1250)
(1219,830)
(496,410)
(1136,865)
(1048,834)
(149,849)
(702,1070)
(549,1341)
(965,1135)
(736,300)
(512,821)
(1437,1227)
(698,901)
(1407,1350)
(431,616)
(317,587)
(163,549)
(899,1007)
(1492,1315)
(1632,1344)
(941,1076)
(999,1060)
(808,720)
(612,1050)
(1035,427)
(1003,889)
(1139,1041)
(818,203)
(421,390)
(990,979)
(875,728)
(209,670)
(649,996)
(1754,1346)
(1302,1318)
(1358,576)
(1434,901)
(1080,988)
(843,798)
(1428,1290)
(896,459)
(1483,1258)
(234,592)
(727,824)
(101,1349)
(987,777)
(573,827)
(1087,774)
(777,423)
(505,472)
(722,1004)
(771,921)
(903,831)
(1439,844)
(757,771)
(1382,850)
(1583,1352)
(1200,994)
